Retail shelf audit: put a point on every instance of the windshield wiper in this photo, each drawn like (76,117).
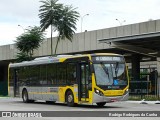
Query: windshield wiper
(105,69)
(116,69)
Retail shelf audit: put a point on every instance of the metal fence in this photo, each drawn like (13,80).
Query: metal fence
(146,86)
(144,90)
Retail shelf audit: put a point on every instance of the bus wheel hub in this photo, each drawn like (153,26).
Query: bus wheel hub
(70,98)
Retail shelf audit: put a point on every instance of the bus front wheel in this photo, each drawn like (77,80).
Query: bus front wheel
(101,104)
(70,99)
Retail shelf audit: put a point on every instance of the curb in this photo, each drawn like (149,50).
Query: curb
(157,102)
(145,102)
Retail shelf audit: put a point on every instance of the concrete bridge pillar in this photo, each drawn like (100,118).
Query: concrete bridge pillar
(135,66)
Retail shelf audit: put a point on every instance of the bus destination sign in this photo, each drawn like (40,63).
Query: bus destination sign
(107,58)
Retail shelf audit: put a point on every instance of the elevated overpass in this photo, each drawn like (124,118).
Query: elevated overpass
(137,42)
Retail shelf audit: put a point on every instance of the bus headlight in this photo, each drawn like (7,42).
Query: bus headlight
(98,92)
(126,91)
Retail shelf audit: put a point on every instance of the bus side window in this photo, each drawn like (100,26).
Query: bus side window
(61,74)
(34,75)
(51,74)
(43,73)
(71,73)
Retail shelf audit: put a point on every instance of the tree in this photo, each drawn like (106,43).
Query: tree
(29,41)
(61,18)
(21,56)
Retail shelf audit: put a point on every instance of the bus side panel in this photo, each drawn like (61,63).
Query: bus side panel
(30,91)
(90,97)
(75,92)
(11,91)
(50,93)
(42,93)
(63,90)
(61,93)
(38,94)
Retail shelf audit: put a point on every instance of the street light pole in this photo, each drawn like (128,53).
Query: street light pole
(82,20)
(22,28)
(121,22)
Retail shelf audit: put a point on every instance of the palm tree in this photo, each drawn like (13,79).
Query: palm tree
(67,24)
(61,19)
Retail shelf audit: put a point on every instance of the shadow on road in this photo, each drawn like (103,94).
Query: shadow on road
(108,105)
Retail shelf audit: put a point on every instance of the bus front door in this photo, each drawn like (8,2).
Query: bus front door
(83,93)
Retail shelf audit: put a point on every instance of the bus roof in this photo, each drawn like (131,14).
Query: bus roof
(58,58)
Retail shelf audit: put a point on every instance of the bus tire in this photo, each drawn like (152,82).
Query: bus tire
(25,96)
(101,104)
(70,99)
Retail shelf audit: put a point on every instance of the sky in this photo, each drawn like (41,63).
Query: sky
(102,14)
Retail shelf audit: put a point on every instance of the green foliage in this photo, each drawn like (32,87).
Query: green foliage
(49,13)
(67,22)
(28,41)
(22,56)
(62,19)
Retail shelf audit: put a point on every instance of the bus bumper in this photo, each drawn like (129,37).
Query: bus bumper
(97,98)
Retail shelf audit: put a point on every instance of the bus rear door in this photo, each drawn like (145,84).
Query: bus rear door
(16,81)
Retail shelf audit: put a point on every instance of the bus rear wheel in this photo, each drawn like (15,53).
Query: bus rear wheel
(25,96)
(101,104)
(70,99)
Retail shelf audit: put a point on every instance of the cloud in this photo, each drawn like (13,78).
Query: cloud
(8,33)
(19,10)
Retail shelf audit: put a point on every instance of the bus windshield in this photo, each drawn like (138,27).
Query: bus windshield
(112,75)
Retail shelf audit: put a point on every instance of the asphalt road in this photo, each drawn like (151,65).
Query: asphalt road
(16,104)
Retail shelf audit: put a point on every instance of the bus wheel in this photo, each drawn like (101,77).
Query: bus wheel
(70,99)
(25,96)
(101,104)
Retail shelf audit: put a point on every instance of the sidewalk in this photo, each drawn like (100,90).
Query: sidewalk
(144,102)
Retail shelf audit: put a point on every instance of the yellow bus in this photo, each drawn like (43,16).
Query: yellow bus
(73,79)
